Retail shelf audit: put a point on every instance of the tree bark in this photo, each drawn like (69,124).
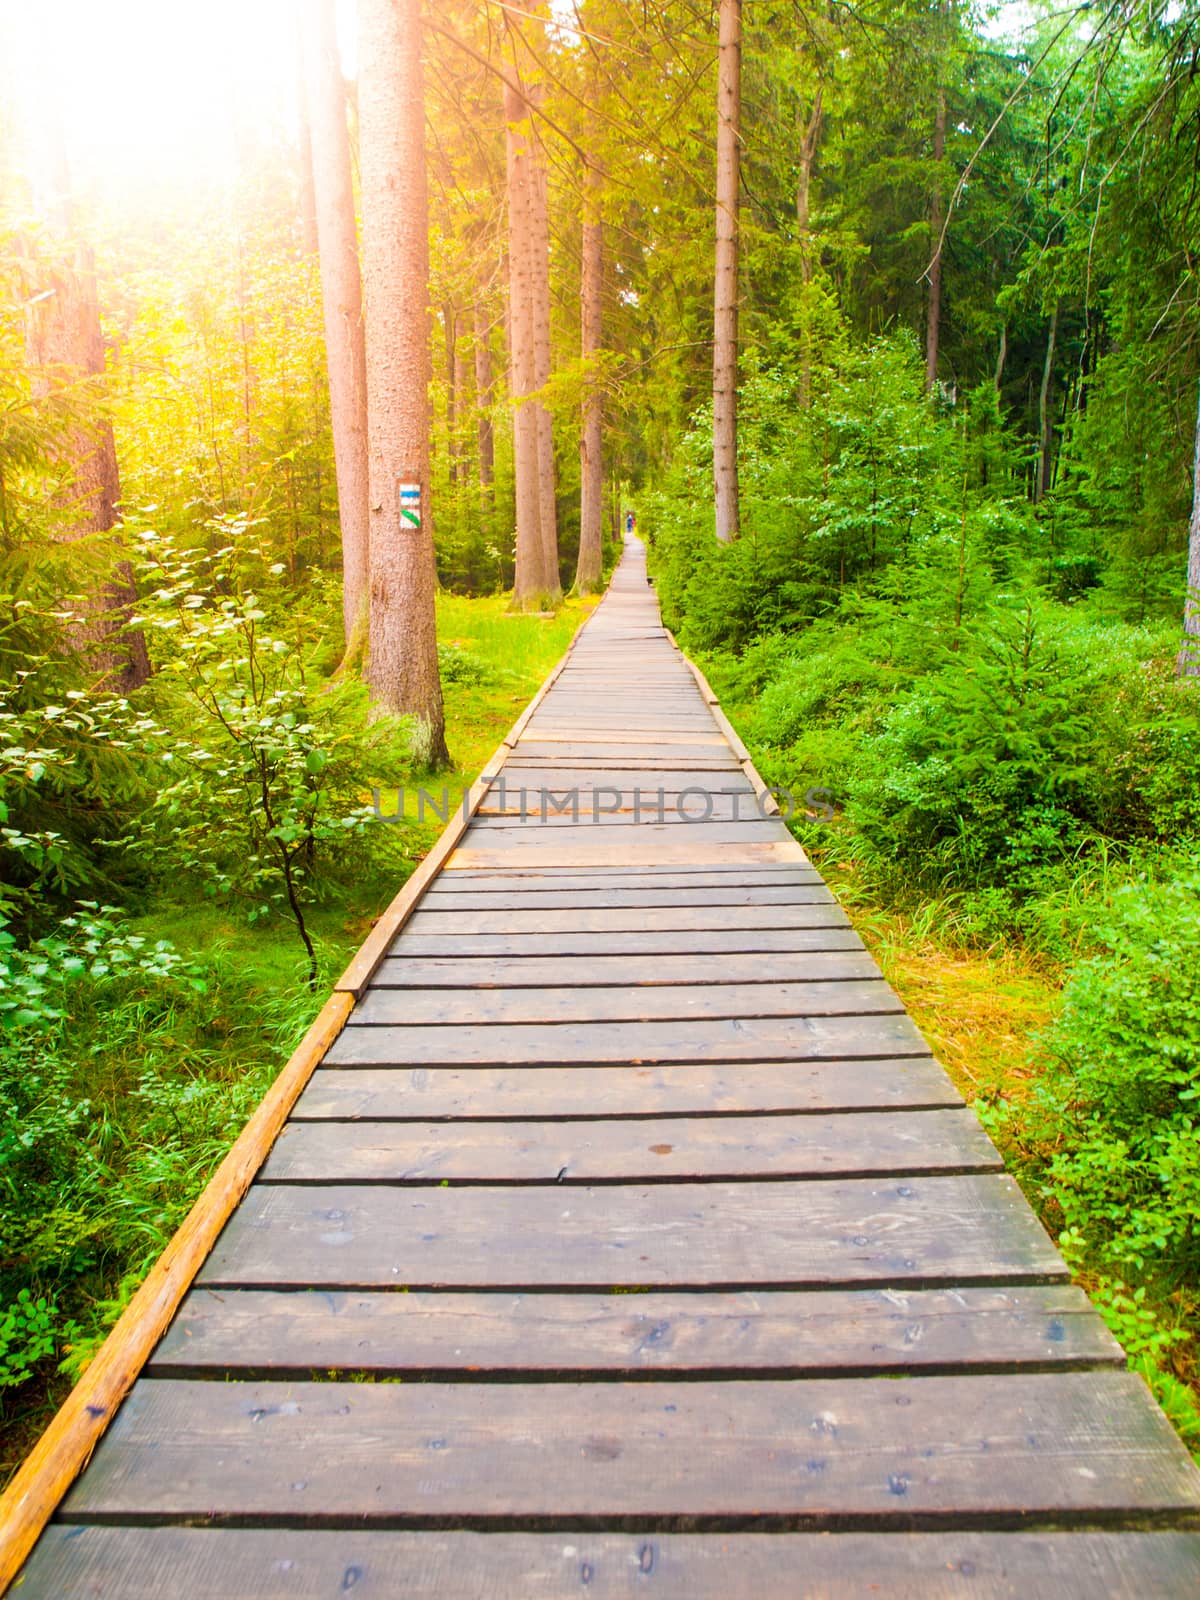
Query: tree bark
(450,334)
(403,668)
(725,309)
(1001,357)
(532,581)
(341,294)
(590,568)
(64,343)
(485,439)
(539,240)
(933,316)
(1189,654)
(1045,420)
(809,139)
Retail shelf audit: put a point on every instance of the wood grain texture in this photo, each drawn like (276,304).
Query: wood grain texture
(587,898)
(847,1330)
(883,1451)
(589,972)
(686,943)
(684,847)
(467,1008)
(598,1043)
(302,1564)
(581,1152)
(914,1082)
(535,918)
(918,1231)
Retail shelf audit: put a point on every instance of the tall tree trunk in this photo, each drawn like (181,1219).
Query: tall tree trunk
(485,440)
(403,669)
(539,240)
(341,294)
(1189,654)
(933,317)
(590,568)
(1045,419)
(725,310)
(64,343)
(809,139)
(531,582)
(450,334)
(1001,357)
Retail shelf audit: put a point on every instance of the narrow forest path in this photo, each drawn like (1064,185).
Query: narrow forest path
(628,1239)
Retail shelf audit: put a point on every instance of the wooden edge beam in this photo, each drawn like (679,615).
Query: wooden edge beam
(379,941)
(76,1428)
(767,804)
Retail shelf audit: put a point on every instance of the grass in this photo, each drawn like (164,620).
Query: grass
(227,1044)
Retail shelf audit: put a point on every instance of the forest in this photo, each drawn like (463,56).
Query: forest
(883,319)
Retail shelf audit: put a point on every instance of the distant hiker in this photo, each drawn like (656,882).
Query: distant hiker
(630,524)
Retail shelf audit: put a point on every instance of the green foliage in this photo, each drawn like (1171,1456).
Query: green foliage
(113,1099)
(281,761)
(1122,1083)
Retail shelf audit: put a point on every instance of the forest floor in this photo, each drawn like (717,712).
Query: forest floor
(225,1050)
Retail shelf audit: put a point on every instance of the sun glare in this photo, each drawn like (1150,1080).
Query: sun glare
(154,98)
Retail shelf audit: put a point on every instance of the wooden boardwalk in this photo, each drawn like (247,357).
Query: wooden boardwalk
(629,1240)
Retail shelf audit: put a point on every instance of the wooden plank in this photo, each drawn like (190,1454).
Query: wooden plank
(886,1452)
(918,1231)
(678,1150)
(599,1043)
(799,1335)
(403,971)
(469,1008)
(559,878)
(917,1082)
(720,763)
(627,776)
(683,847)
(40,1482)
(696,942)
(496,833)
(308,1564)
(631,919)
(604,806)
(800,894)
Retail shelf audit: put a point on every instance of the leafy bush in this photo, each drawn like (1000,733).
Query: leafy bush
(118,1093)
(1121,1090)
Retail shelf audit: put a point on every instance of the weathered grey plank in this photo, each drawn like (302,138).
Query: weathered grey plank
(534,882)
(604,806)
(299,1564)
(844,1330)
(403,971)
(499,833)
(884,1451)
(679,1149)
(837,1232)
(682,846)
(465,1008)
(829,1038)
(687,943)
(630,919)
(624,898)
(915,1082)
